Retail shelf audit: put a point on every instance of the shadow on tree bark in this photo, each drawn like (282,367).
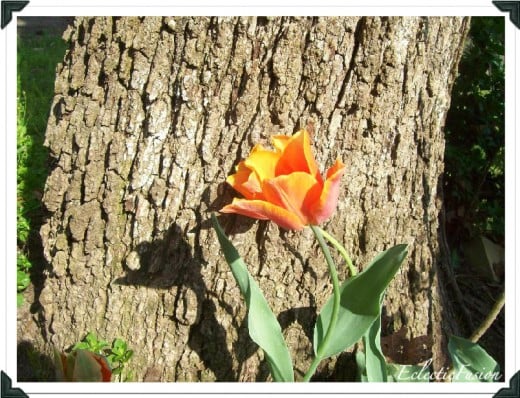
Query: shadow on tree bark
(168,262)
(33,365)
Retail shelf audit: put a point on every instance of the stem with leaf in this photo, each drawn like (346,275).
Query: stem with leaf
(318,232)
(339,247)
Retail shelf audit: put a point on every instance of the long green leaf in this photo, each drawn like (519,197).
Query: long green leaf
(375,361)
(263,326)
(471,363)
(359,303)
(361,367)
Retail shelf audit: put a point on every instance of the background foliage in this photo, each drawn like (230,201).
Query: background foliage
(37,57)
(474,188)
(474,184)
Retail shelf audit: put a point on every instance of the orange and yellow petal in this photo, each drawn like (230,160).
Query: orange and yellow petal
(254,186)
(280,142)
(338,166)
(289,192)
(262,162)
(263,210)
(244,182)
(285,185)
(239,181)
(297,156)
(322,207)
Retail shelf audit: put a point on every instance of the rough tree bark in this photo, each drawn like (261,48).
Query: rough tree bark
(149,117)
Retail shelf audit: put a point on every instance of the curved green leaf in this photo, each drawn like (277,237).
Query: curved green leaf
(359,303)
(375,362)
(263,326)
(471,362)
(361,367)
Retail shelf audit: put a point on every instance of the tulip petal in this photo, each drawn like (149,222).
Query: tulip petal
(240,179)
(106,372)
(262,210)
(289,192)
(280,141)
(297,156)
(285,185)
(338,166)
(262,162)
(253,185)
(321,207)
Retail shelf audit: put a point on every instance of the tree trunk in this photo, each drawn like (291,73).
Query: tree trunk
(151,114)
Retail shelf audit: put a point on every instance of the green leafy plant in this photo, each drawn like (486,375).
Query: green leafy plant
(263,326)
(23,278)
(471,363)
(285,186)
(22,282)
(91,343)
(118,354)
(23,226)
(357,315)
(360,309)
(474,177)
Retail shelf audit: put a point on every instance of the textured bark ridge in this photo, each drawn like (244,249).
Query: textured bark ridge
(151,114)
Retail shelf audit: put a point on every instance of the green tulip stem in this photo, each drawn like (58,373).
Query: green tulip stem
(318,232)
(312,368)
(341,250)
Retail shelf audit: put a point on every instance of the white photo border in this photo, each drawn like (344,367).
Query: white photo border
(235,8)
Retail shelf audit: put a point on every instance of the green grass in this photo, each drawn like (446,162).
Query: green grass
(37,58)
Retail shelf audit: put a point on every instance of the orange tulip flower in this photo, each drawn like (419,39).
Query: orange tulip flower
(285,185)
